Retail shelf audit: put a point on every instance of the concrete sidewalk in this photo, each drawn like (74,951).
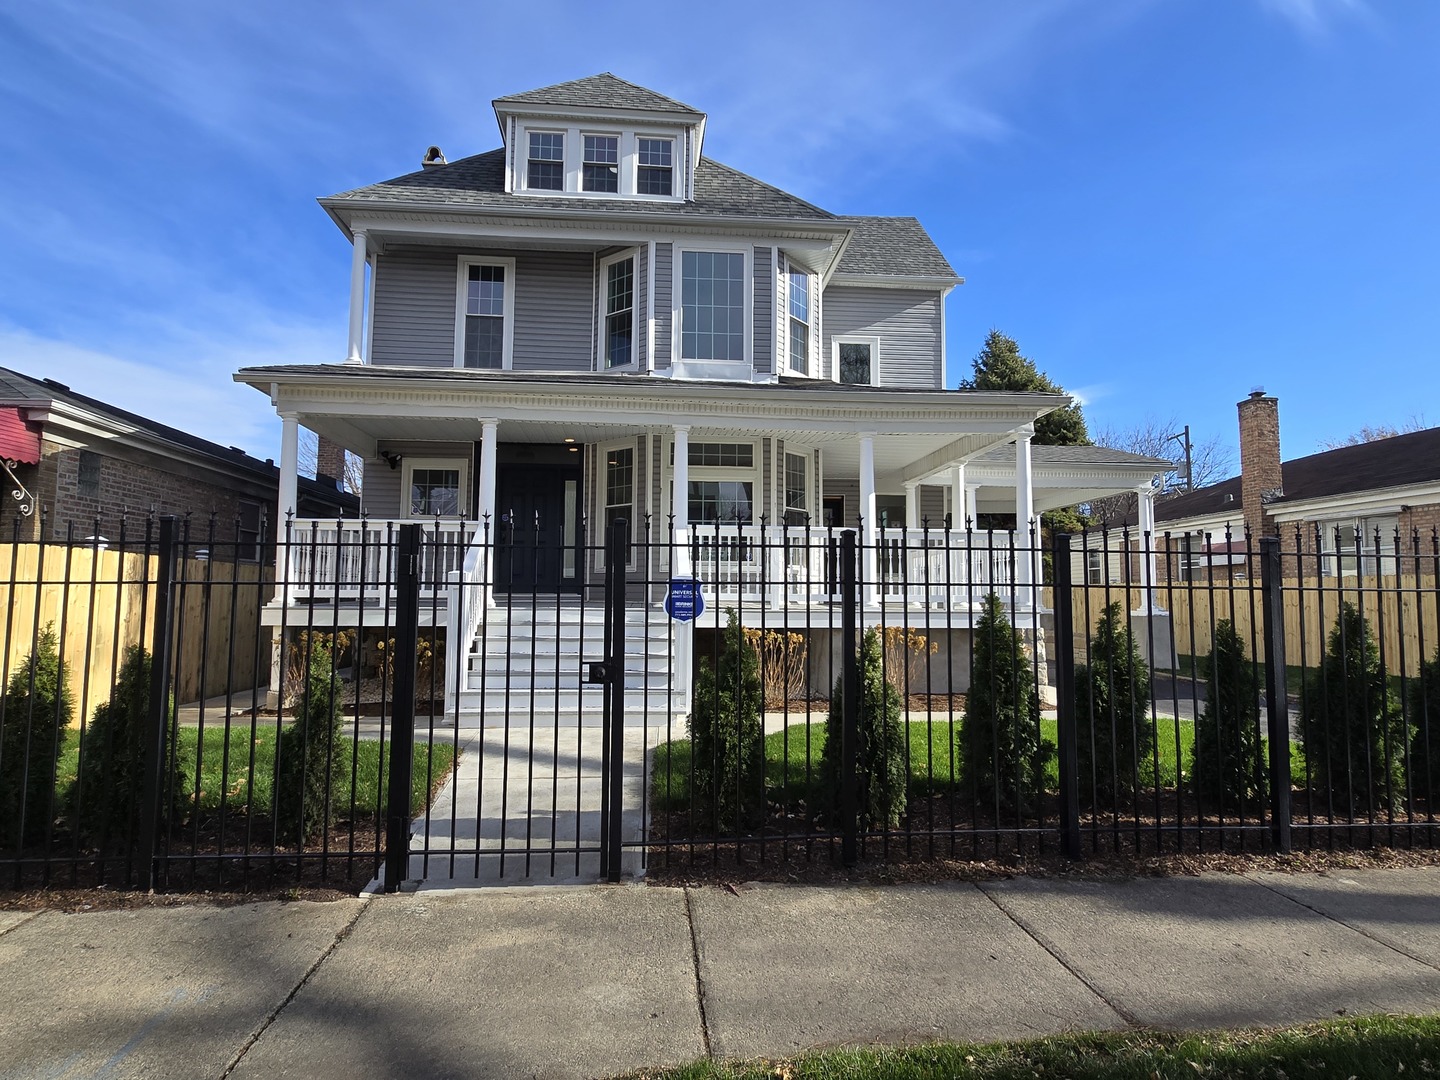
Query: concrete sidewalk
(594,980)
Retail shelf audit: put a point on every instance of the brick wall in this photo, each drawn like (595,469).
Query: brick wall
(1260,474)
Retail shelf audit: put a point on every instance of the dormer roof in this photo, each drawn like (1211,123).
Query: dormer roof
(603,91)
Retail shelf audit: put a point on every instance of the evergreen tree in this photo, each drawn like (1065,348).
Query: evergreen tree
(105,802)
(881,770)
(1352,730)
(311,755)
(1002,757)
(1228,770)
(1112,700)
(1425,743)
(999,366)
(728,734)
(37,712)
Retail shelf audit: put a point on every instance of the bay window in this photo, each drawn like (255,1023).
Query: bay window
(712,305)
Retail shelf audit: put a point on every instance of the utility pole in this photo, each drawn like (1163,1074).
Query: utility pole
(1184,439)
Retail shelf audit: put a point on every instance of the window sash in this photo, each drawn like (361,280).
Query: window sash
(620,313)
(655,171)
(435,491)
(713,502)
(797,489)
(545,169)
(619,484)
(712,305)
(600,169)
(484,345)
(856,359)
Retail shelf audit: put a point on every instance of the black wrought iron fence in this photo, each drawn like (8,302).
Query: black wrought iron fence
(179,714)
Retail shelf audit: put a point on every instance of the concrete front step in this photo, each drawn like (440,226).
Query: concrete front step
(546,704)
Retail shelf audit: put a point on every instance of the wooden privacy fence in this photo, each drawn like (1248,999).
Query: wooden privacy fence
(99,602)
(1403,612)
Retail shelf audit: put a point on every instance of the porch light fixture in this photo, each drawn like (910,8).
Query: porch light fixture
(391,458)
(574,449)
(568,439)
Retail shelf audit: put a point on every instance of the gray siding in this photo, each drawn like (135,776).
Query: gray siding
(907,322)
(764,336)
(554,298)
(642,278)
(664,254)
(414,317)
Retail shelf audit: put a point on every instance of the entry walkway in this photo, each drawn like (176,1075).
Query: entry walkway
(599,980)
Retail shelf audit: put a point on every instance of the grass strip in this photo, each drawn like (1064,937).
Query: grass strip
(1358,1048)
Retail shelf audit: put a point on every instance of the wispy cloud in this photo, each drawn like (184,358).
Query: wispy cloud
(1316,18)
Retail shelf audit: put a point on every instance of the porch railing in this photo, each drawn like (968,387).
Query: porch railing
(353,559)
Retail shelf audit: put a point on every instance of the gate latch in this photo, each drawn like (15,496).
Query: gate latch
(599,672)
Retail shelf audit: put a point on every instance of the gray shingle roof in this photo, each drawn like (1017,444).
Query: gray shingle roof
(1078,455)
(892,246)
(603,91)
(478,183)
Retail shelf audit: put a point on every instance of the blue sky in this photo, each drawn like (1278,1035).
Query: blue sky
(1166,202)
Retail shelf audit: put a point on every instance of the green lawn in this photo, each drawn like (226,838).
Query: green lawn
(232,785)
(792,760)
(1365,1048)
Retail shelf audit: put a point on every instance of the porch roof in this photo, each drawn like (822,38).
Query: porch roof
(918,432)
(1060,475)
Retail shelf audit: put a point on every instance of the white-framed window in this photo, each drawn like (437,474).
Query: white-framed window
(857,360)
(713,314)
(545,161)
(436,486)
(798,304)
(619,493)
(485,313)
(723,482)
(1362,547)
(249,525)
(654,166)
(795,480)
(617,325)
(1094,567)
(600,167)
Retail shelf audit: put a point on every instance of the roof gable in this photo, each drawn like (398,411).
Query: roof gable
(603,91)
(892,246)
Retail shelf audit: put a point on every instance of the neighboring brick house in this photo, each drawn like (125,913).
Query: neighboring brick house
(1345,507)
(73,459)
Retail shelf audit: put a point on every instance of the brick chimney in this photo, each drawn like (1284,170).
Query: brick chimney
(330,462)
(1260,477)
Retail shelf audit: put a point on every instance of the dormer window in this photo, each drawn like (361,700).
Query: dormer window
(655,174)
(546,170)
(602,163)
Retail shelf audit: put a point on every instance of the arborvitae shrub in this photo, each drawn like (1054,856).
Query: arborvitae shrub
(1229,770)
(1425,723)
(728,735)
(1002,756)
(1352,732)
(881,769)
(312,757)
(106,799)
(1112,700)
(38,710)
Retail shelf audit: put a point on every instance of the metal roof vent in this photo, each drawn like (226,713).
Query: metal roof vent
(433,156)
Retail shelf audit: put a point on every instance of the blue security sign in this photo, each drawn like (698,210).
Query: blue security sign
(684,602)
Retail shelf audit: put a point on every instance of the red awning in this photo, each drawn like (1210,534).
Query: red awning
(18,440)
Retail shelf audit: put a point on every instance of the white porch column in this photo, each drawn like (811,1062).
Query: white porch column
(683,633)
(1024,510)
(959,506)
(972,513)
(1146,540)
(1149,621)
(289,469)
(357,299)
(912,505)
(869,527)
(485,510)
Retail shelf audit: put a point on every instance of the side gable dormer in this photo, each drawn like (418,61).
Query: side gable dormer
(600,137)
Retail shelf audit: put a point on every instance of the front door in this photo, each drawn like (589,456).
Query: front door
(538,535)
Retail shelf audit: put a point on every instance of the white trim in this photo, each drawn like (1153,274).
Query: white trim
(1362,503)
(754,473)
(408,465)
(702,367)
(370,310)
(812,319)
(523,178)
(626,130)
(650,308)
(603,309)
(872,340)
(601,133)
(782,488)
(462,271)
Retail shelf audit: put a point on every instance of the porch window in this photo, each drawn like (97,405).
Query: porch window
(797,490)
(620,484)
(546,171)
(601,170)
(436,487)
(799,322)
(485,308)
(890,509)
(712,305)
(656,167)
(721,501)
(721,455)
(620,313)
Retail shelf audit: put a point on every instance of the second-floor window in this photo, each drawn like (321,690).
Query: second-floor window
(546,171)
(800,323)
(655,167)
(601,170)
(620,313)
(712,305)
(484,313)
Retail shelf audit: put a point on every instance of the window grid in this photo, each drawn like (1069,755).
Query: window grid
(601,171)
(485,317)
(619,313)
(712,306)
(655,174)
(619,484)
(724,455)
(797,499)
(800,322)
(547,161)
(434,491)
(719,501)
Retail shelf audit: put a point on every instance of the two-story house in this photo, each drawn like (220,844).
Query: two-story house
(597,321)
